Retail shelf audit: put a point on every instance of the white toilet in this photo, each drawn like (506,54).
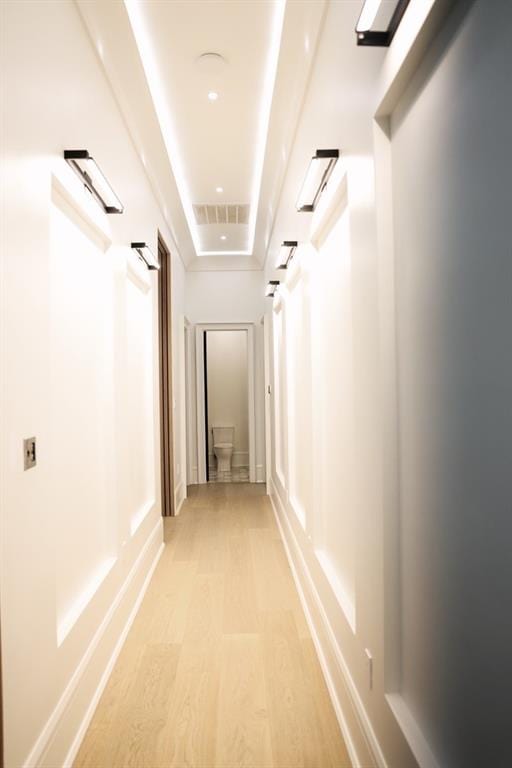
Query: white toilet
(223,441)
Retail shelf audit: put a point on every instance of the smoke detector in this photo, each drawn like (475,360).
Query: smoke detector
(211,61)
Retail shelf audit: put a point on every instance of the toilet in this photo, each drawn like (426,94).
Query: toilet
(223,441)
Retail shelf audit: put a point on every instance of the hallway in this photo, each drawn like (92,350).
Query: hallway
(219,668)
(264,243)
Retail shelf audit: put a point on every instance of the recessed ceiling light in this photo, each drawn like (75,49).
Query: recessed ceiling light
(219,189)
(223,237)
(213,95)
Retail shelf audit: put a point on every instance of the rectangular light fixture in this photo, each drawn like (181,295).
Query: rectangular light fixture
(286,253)
(146,255)
(317,176)
(89,173)
(271,288)
(366,35)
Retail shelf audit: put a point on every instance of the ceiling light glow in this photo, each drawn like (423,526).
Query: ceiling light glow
(223,237)
(213,95)
(219,189)
(264,115)
(136,10)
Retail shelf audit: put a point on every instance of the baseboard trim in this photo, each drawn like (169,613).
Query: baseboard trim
(75,746)
(362,744)
(50,732)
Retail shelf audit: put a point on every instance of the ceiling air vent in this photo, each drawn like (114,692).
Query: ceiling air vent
(232,213)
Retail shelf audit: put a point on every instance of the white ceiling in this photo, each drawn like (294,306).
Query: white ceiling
(190,145)
(219,142)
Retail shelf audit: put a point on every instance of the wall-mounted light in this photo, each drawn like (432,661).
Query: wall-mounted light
(146,255)
(286,253)
(89,173)
(271,288)
(317,176)
(366,35)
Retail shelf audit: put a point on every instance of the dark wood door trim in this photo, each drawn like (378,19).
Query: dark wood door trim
(206,430)
(166,395)
(1,711)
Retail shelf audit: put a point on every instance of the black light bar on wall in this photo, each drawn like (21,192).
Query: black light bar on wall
(317,176)
(272,288)
(367,35)
(286,253)
(90,174)
(146,254)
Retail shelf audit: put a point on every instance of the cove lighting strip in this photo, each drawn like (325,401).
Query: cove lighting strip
(135,11)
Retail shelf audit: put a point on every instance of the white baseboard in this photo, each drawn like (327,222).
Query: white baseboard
(362,744)
(60,739)
(260,473)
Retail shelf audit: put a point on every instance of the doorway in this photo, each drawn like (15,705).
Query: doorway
(166,394)
(226,406)
(225,403)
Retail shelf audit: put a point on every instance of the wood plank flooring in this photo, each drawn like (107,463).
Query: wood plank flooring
(219,669)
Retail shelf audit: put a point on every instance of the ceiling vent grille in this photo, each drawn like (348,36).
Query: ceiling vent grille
(232,213)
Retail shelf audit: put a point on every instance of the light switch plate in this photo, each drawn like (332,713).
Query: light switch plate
(29,453)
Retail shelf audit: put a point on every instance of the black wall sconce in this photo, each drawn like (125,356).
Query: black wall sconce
(366,35)
(286,253)
(146,255)
(317,176)
(271,288)
(90,174)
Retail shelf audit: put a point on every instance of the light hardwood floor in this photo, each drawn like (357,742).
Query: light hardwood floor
(219,669)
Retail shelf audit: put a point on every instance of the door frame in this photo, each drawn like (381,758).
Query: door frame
(166,384)
(266,321)
(190,403)
(200,394)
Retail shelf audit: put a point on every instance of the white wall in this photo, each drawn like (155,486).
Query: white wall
(419,580)
(454,315)
(225,297)
(325,320)
(230,297)
(334,414)
(228,391)
(81,530)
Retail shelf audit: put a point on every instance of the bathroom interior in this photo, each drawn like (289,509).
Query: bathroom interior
(226,406)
